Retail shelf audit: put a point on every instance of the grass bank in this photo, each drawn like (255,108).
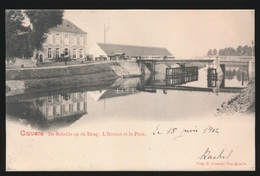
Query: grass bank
(19,81)
(63,71)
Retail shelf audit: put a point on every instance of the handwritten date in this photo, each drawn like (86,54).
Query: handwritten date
(180,132)
(210,129)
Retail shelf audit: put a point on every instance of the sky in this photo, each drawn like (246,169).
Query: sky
(185,33)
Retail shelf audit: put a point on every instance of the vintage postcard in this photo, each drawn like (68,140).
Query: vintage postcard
(130,90)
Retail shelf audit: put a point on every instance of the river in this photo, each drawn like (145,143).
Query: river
(127,99)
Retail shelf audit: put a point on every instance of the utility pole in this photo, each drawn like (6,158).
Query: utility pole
(253,48)
(104,33)
(106,28)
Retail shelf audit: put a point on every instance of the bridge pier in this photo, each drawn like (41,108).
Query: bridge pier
(223,68)
(149,65)
(142,68)
(153,67)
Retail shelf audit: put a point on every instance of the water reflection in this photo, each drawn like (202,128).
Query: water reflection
(220,79)
(112,93)
(237,73)
(50,111)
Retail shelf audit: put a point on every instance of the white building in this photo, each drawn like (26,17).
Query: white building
(104,51)
(64,40)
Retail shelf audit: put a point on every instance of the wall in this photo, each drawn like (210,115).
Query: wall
(25,62)
(61,45)
(96,51)
(132,67)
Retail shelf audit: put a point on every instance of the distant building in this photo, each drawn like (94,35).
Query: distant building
(65,40)
(103,51)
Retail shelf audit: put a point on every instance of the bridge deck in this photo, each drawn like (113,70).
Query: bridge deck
(177,60)
(222,61)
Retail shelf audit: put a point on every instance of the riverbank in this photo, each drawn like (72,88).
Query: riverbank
(61,71)
(243,102)
(22,80)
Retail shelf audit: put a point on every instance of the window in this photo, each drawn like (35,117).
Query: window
(58,110)
(66,39)
(70,107)
(49,111)
(57,52)
(81,42)
(66,97)
(57,98)
(74,105)
(81,53)
(74,96)
(49,53)
(50,99)
(66,108)
(58,39)
(74,53)
(74,39)
(49,38)
(81,106)
(66,51)
(81,94)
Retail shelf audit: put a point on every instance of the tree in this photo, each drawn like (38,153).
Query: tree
(239,50)
(250,51)
(221,52)
(41,22)
(246,51)
(232,51)
(226,51)
(215,52)
(27,48)
(22,41)
(210,52)
(15,33)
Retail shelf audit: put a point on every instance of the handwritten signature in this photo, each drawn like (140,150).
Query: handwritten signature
(181,132)
(221,155)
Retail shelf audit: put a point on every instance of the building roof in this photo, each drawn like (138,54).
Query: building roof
(112,93)
(67,26)
(129,50)
(108,93)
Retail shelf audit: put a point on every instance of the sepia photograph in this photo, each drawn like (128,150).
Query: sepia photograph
(130,90)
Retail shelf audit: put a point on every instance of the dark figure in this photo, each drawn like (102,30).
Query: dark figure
(243,78)
(41,59)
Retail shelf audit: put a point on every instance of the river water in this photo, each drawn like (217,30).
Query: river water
(126,100)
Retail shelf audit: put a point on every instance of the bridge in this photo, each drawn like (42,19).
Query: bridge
(151,63)
(211,62)
(174,60)
(175,78)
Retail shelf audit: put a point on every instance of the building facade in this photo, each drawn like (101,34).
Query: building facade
(104,51)
(56,106)
(65,40)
